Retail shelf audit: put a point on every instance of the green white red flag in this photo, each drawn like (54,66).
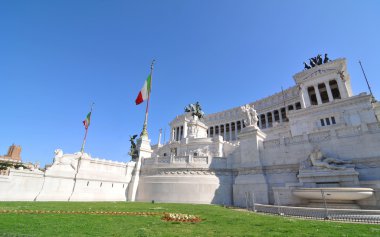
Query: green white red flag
(145,91)
(86,122)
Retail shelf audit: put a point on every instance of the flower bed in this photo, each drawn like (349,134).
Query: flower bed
(178,217)
(174,217)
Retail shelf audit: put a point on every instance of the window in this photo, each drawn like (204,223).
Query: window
(263,123)
(165,154)
(211,131)
(298,105)
(327,121)
(227,138)
(283,114)
(270,119)
(290,107)
(238,123)
(312,95)
(276,116)
(334,89)
(323,93)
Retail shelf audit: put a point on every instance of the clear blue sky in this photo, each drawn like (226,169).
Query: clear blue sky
(56,57)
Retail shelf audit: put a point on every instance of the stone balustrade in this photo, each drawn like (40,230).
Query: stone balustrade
(321,136)
(189,159)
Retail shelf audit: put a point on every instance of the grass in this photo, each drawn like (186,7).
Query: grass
(217,221)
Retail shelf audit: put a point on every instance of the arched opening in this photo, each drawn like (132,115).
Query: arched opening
(222,131)
(323,92)
(312,95)
(238,123)
(334,89)
(283,114)
(270,119)
(211,131)
(263,122)
(227,138)
(233,131)
(177,134)
(276,116)
(298,106)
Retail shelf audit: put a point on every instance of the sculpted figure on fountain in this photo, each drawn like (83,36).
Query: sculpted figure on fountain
(321,161)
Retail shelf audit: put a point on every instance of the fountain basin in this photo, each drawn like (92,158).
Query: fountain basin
(337,194)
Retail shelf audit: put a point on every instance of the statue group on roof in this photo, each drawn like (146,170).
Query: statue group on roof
(315,61)
(195,110)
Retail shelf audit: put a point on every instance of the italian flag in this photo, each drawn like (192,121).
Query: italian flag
(145,91)
(86,122)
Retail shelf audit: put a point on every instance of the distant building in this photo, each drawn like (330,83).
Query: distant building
(13,155)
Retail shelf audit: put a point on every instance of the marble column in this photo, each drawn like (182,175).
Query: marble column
(224,132)
(266,120)
(342,88)
(319,99)
(331,98)
(260,123)
(230,125)
(185,129)
(305,98)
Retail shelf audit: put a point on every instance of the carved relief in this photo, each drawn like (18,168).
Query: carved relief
(319,160)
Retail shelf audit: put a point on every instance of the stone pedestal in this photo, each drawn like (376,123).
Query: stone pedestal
(196,129)
(145,151)
(312,178)
(60,178)
(251,177)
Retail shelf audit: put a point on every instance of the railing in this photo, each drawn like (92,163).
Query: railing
(200,159)
(348,215)
(181,159)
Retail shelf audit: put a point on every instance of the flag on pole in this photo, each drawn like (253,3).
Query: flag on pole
(145,91)
(86,122)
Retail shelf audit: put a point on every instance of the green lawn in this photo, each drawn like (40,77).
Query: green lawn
(216,221)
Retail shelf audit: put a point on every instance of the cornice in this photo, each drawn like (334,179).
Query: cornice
(332,105)
(323,69)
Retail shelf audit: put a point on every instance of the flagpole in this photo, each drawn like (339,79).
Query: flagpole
(85,134)
(369,87)
(144,132)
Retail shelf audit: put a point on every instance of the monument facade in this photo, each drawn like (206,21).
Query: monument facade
(313,139)
(316,134)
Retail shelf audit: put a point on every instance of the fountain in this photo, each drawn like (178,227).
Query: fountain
(331,181)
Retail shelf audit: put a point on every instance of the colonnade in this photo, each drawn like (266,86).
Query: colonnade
(323,92)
